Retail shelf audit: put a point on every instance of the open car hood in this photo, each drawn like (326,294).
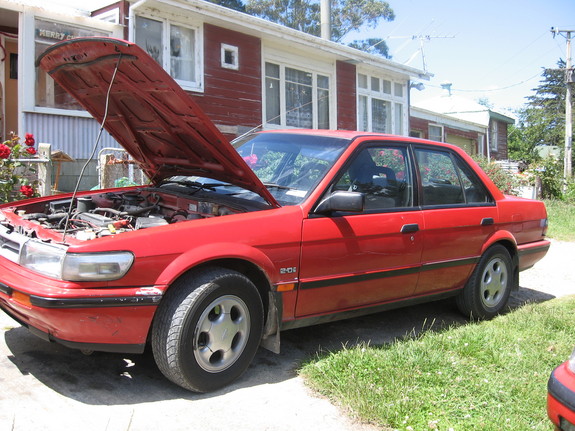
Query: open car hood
(149,114)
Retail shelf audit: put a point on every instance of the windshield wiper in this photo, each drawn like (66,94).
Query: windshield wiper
(199,185)
(277,186)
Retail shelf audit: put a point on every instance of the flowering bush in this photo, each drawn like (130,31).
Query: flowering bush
(508,183)
(14,173)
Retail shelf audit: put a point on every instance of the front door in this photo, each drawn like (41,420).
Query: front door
(356,260)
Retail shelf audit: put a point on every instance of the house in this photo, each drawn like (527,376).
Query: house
(450,118)
(245,73)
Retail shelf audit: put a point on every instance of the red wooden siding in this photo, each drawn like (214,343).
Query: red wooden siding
(231,97)
(346,96)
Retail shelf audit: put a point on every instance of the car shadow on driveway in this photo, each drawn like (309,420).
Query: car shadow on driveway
(114,379)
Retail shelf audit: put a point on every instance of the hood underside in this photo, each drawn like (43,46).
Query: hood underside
(148,113)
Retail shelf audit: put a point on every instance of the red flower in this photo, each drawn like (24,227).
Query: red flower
(27,191)
(30,141)
(31,150)
(4,151)
(251,160)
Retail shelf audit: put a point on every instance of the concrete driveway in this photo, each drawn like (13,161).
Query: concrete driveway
(48,387)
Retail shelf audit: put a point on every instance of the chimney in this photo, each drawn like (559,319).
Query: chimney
(325,14)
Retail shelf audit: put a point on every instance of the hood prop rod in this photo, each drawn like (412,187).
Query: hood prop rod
(69,214)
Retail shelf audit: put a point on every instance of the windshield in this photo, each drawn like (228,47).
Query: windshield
(290,165)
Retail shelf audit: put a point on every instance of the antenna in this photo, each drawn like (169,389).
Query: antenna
(423,38)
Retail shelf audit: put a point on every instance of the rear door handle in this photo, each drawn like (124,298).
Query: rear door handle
(410,228)
(487,221)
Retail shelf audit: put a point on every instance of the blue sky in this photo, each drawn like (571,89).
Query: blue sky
(486,49)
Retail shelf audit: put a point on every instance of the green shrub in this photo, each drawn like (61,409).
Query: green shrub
(507,182)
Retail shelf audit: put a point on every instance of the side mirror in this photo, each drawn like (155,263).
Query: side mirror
(342,201)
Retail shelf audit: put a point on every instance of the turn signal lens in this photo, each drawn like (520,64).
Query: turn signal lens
(22,298)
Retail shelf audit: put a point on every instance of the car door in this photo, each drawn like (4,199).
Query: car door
(459,215)
(352,260)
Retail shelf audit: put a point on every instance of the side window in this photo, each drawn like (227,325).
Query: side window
(473,188)
(446,181)
(382,174)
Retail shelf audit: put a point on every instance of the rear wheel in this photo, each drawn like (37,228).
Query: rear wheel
(487,291)
(207,329)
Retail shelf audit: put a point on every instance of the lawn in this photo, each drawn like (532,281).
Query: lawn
(561,220)
(488,375)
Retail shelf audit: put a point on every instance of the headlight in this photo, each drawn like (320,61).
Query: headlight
(96,266)
(571,362)
(43,258)
(53,261)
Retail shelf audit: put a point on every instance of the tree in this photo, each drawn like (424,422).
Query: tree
(375,45)
(542,120)
(346,15)
(231,4)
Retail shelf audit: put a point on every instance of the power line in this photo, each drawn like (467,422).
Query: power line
(489,90)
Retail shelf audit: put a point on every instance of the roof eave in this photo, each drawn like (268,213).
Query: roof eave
(254,25)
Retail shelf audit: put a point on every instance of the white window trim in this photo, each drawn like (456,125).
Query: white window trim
(197,86)
(315,72)
(236,56)
(494,136)
(439,126)
(381,95)
(27,66)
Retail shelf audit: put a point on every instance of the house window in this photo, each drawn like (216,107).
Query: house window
(230,57)
(296,98)
(378,110)
(494,136)
(173,46)
(48,93)
(435,133)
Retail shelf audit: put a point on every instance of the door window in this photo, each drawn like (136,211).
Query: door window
(447,180)
(382,173)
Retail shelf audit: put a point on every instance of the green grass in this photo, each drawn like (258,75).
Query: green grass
(489,375)
(561,220)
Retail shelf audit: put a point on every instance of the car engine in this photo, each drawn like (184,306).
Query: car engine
(111,213)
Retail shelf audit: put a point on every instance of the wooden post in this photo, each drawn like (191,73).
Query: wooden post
(45,170)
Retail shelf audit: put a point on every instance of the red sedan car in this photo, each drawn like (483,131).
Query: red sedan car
(231,244)
(561,396)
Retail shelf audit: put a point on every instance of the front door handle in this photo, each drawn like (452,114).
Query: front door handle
(410,228)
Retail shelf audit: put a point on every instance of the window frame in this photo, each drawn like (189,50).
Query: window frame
(440,128)
(372,87)
(198,55)
(494,136)
(282,65)
(412,179)
(460,166)
(30,70)
(234,51)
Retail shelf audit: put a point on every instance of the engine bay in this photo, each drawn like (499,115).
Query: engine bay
(110,213)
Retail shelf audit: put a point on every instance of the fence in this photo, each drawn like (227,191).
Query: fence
(117,169)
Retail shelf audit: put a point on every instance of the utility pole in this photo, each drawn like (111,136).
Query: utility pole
(567,171)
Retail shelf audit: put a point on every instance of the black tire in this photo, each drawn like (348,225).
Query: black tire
(207,329)
(487,291)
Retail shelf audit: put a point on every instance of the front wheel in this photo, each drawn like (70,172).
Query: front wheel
(207,329)
(487,291)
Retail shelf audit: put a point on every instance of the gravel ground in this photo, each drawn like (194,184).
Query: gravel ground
(48,387)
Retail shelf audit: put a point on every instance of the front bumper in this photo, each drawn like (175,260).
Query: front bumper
(102,319)
(561,398)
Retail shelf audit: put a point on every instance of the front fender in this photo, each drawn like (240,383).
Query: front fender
(216,251)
